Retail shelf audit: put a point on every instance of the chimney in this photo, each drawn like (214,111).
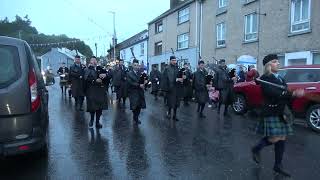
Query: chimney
(175,3)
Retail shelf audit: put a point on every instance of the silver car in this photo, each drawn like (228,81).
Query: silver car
(23,100)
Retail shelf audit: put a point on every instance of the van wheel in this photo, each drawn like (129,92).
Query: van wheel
(313,117)
(239,104)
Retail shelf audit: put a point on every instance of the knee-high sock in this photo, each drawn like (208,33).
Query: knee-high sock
(279,148)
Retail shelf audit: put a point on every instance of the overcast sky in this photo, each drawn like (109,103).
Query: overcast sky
(88,20)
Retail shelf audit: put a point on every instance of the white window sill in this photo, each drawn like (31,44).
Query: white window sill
(299,33)
(221,46)
(250,41)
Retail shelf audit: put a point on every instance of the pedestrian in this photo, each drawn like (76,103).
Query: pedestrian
(201,88)
(63,73)
(136,86)
(273,127)
(155,77)
(77,83)
(224,84)
(172,85)
(241,75)
(119,80)
(96,79)
(164,93)
(187,85)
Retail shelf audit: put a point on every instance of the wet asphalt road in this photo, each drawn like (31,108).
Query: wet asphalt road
(215,148)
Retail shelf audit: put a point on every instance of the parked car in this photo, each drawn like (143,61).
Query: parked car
(23,100)
(248,95)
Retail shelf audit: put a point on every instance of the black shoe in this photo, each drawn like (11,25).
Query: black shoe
(91,124)
(98,125)
(255,156)
(280,171)
(137,122)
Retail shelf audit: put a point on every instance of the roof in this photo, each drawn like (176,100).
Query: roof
(170,11)
(133,40)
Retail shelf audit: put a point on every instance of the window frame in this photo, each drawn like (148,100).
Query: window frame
(222,3)
(184,15)
(181,42)
(155,48)
(251,27)
(220,27)
(292,14)
(142,49)
(157,26)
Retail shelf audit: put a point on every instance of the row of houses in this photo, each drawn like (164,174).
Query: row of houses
(229,29)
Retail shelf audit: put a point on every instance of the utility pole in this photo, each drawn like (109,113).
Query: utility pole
(96,48)
(19,34)
(114,34)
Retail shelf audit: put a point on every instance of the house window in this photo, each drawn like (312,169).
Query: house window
(183,15)
(183,41)
(251,27)
(300,15)
(124,54)
(221,34)
(158,48)
(159,27)
(222,3)
(142,49)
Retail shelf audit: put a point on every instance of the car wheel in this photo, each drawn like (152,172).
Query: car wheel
(239,104)
(313,117)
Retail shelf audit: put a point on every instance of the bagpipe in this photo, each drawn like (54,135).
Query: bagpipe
(144,78)
(209,79)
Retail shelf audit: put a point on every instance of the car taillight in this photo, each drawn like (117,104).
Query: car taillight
(34,96)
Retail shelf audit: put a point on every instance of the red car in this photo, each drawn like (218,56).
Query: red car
(248,95)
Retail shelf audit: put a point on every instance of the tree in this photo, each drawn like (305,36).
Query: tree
(22,26)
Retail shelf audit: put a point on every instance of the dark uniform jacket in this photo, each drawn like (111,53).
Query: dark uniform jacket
(200,86)
(275,98)
(76,77)
(187,85)
(224,84)
(96,93)
(135,92)
(171,87)
(119,80)
(155,83)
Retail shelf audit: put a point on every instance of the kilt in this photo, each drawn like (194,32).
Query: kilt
(273,126)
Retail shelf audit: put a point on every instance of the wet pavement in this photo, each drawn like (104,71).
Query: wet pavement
(215,148)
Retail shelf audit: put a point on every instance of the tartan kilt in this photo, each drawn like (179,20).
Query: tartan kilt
(273,126)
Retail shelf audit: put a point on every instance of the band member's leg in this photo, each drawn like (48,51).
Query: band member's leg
(169,113)
(175,114)
(257,148)
(98,115)
(91,119)
(202,105)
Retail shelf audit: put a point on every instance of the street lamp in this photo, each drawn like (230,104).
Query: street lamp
(114,34)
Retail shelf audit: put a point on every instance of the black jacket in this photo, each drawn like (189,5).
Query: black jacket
(76,76)
(275,98)
(136,93)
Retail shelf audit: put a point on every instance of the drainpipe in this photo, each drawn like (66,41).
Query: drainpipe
(200,26)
